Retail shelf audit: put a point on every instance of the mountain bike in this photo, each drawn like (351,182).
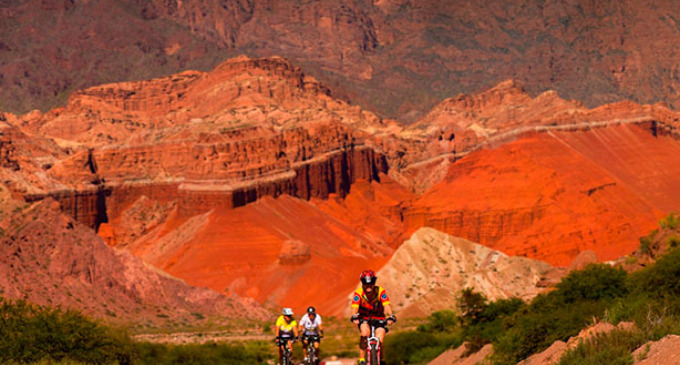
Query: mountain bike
(373,344)
(312,357)
(285,356)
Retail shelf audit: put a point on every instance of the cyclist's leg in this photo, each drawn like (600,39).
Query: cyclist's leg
(305,343)
(365,333)
(380,333)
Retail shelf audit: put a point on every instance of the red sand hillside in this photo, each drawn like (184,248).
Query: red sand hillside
(552,195)
(282,251)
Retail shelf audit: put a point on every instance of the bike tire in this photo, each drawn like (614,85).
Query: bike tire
(286,359)
(374,358)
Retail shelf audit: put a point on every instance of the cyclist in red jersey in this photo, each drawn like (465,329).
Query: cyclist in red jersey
(370,302)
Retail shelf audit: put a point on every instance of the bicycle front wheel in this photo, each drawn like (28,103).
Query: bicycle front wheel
(375,359)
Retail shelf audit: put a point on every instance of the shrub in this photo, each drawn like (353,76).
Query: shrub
(440,321)
(596,281)
(662,280)
(470,304)
(30,333)
(645,243)
(671,221)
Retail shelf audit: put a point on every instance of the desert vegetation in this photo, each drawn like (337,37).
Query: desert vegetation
(42,335)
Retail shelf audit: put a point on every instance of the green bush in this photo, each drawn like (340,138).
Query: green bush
(661,280)
(439,333)
(211,353)
(440,321)
(596,281)
(418,347)
(30,333)
(558,315)
(671,221)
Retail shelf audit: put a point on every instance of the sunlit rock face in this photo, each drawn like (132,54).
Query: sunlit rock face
(428,272)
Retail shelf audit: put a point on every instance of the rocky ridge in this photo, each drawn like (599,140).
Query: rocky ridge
(397,57)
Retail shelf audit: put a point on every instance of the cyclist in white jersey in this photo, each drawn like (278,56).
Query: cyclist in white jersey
(311,328)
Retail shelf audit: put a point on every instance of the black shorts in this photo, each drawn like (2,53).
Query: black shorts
(311,338)
(377,323)
(285,337)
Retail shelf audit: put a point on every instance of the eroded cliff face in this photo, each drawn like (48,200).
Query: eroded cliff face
(249,128)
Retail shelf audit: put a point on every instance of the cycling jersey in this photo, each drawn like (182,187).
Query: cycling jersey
(311,326)
(286,328)
(371,308)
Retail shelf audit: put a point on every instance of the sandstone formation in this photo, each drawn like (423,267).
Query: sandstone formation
(505,113)
(247,129)
(294,252)
(48,258)
(428,272)
(159,167)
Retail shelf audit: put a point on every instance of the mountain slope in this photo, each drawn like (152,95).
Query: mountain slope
(47,258)
(395,57)
(551,195)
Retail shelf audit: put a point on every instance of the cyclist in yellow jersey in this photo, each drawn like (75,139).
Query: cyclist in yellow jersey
(286,329)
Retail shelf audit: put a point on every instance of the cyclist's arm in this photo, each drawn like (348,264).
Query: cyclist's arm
(388,310)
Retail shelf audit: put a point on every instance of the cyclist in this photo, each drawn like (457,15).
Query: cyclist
(286,330)
(370,302)
(311,328)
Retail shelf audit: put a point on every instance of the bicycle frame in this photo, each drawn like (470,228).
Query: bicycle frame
(373,343)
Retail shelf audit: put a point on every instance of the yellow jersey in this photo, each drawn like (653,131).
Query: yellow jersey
(285,327)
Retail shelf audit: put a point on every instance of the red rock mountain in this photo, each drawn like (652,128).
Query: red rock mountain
(548,178)
(251,179)
(396,57)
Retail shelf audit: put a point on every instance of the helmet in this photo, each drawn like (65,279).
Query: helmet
(287,312)
(368,277)
(311,310)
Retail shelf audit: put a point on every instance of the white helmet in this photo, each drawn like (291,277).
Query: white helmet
(287,312)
